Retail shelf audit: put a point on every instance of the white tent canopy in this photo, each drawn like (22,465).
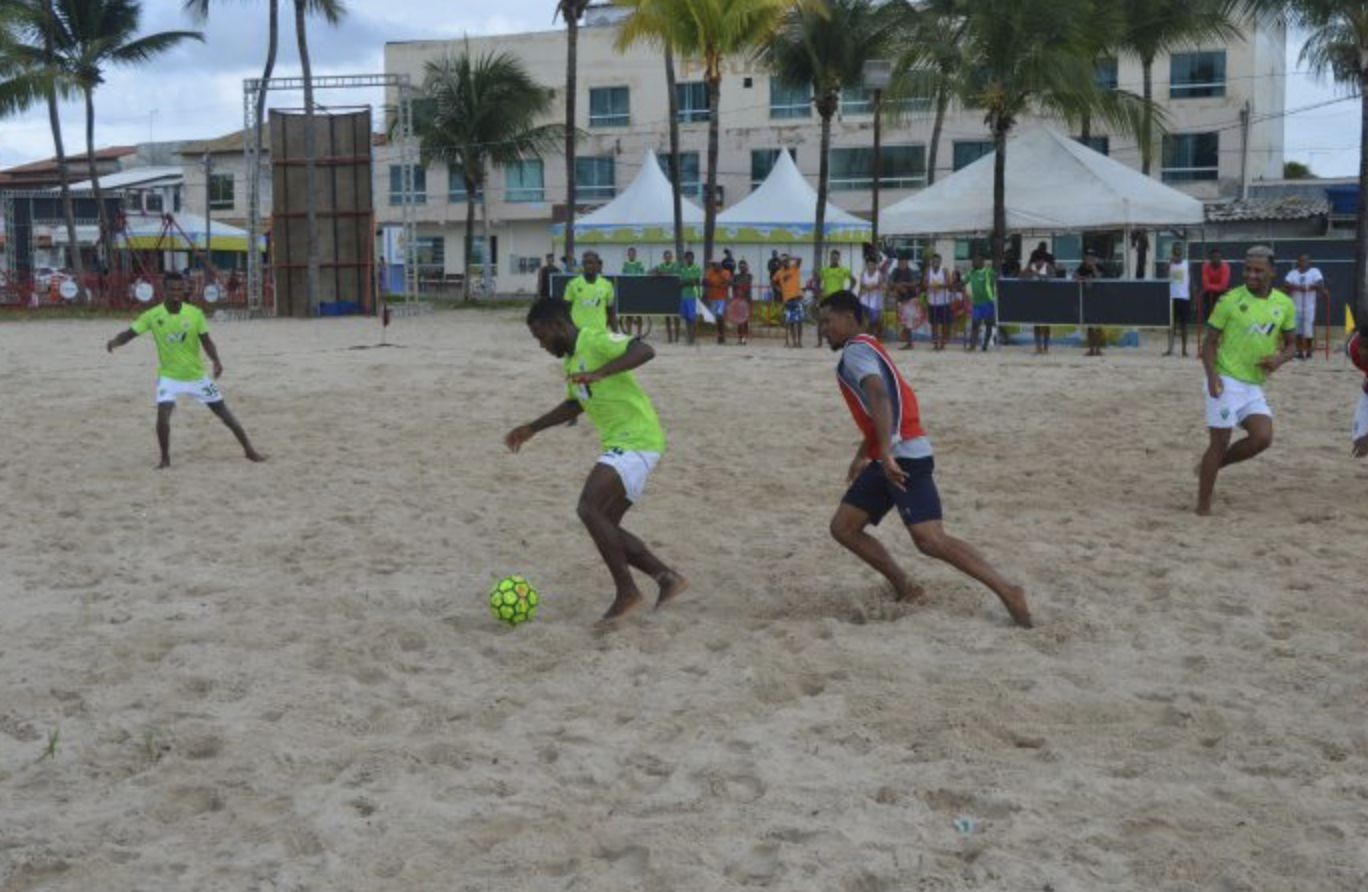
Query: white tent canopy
(786,200)
(1053,183)
(648,201)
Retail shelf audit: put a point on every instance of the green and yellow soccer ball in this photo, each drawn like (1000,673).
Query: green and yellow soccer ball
(513,600)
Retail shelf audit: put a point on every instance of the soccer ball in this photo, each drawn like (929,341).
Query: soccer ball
(513,600)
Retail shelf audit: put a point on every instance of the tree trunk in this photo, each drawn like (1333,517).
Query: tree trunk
(63,171)
(311,284)
(1146,156)
(571,89)
(1361,233)
(1085,130)
(106,236)
(487,262)
(673,105)
(999,197)
(710,193)
(942,103)
(258,138)
(469,236)
(827,111)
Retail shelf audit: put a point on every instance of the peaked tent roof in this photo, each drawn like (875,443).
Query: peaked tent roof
(785,199)
(648,201)
(1053,183)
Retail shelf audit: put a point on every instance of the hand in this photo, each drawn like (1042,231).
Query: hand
(585,378)
(1215,387)
(1361,446)
(517,437)
(218,369)
(856,467)
(1271,364)
(892,473)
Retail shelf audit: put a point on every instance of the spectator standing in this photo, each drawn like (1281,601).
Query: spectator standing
(772,268)
(983,299)
(1180,296)
(548,269)
(633,267)
(690,282)
(1306,286)
(668,267)
(832,278)
(873,284)
(1041,267)
(728,262)
(1215,281)
(592,298)
(936,285)
(717,284)
(789,286)
(902,281)
(741,301)
(1088,272)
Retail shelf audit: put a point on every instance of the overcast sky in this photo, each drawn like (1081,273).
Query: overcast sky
(196,91)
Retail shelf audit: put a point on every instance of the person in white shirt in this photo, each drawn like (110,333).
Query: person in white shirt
(1180,295)
(872,282)
(1306,286)
(936,286)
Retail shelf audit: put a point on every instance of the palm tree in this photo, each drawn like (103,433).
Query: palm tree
(1337,47)
(94,34)
(1152,27)
(1032,56)
(571,11)
(825,47)
(672,108)
(476,112)
(931,63)
(709,30)
(31,74)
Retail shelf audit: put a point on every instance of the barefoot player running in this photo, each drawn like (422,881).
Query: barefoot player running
(893,465)
(1240,352)
(179,330)
(599,381)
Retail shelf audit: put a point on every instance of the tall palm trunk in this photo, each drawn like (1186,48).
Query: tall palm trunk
(63,171)
(1146,154)
(470,186)
(942,103)
(106,236)
(310,172)
(1361,239)
(999,197)
(258,143)
(1085,128)
(673,103)
(710,196)
(571,89)
(826,108)
(487,261)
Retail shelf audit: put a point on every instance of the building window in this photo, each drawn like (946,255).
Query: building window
(220,191)
(609,107)
(901,167)
(525,181)
(1197,75)
(967,152)
(788,101)
(153,203)
(456,187)
(1099,144)
(477,255)
(594,179)
(1105,74)
(762,162)
(859,101)
(430,259)
(692,99)
(396,192)
(691,184)
(524,265)
(1191,157)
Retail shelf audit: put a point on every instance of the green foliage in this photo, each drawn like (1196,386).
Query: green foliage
(1295,170)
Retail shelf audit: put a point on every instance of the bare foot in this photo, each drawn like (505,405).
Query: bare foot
(672,585)
(253,455)
(910,593)
(165,463)
(622,605)
(1014,599)
(1203,510)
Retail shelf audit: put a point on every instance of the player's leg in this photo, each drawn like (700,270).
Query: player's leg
(220,408)
(1359,434)
(849,527)
(1260,436)
(671,583)
(1218,444)
(602,490)
(164,411)
(931,540)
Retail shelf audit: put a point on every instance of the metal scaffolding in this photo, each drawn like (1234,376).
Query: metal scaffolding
(251,115)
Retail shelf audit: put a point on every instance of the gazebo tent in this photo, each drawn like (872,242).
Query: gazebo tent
(641,217)
(151,233)
(1053,184)
(782,214)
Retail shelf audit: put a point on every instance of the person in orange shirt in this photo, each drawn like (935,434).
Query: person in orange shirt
(717,286)
(1215,282)
(789,282)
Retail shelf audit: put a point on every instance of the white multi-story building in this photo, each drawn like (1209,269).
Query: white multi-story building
(1223,105)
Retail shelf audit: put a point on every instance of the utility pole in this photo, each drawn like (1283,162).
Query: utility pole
(208,214)
(878,74)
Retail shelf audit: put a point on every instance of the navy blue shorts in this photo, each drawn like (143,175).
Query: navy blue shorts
(918,502)
(944,314)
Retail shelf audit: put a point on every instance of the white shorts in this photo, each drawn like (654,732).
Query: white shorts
(873,303)
(1238,401)
(1306,314)
(1361,417)
(632,467)
(204,391)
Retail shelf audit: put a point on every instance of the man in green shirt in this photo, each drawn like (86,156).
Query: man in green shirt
(598,372)
(633,267)
(832,278)
(591,296)
(1240,352)
(179,330)
(668,267)
(691,291)
(983,295)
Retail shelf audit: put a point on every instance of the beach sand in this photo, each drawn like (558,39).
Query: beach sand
(286,677)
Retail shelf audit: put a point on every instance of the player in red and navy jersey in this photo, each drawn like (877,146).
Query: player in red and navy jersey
(1357,348)
(894,464)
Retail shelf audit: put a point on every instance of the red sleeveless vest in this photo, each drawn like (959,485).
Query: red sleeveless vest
(903,402)
(1357,349)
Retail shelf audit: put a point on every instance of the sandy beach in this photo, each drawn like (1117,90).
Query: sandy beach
(285,677)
